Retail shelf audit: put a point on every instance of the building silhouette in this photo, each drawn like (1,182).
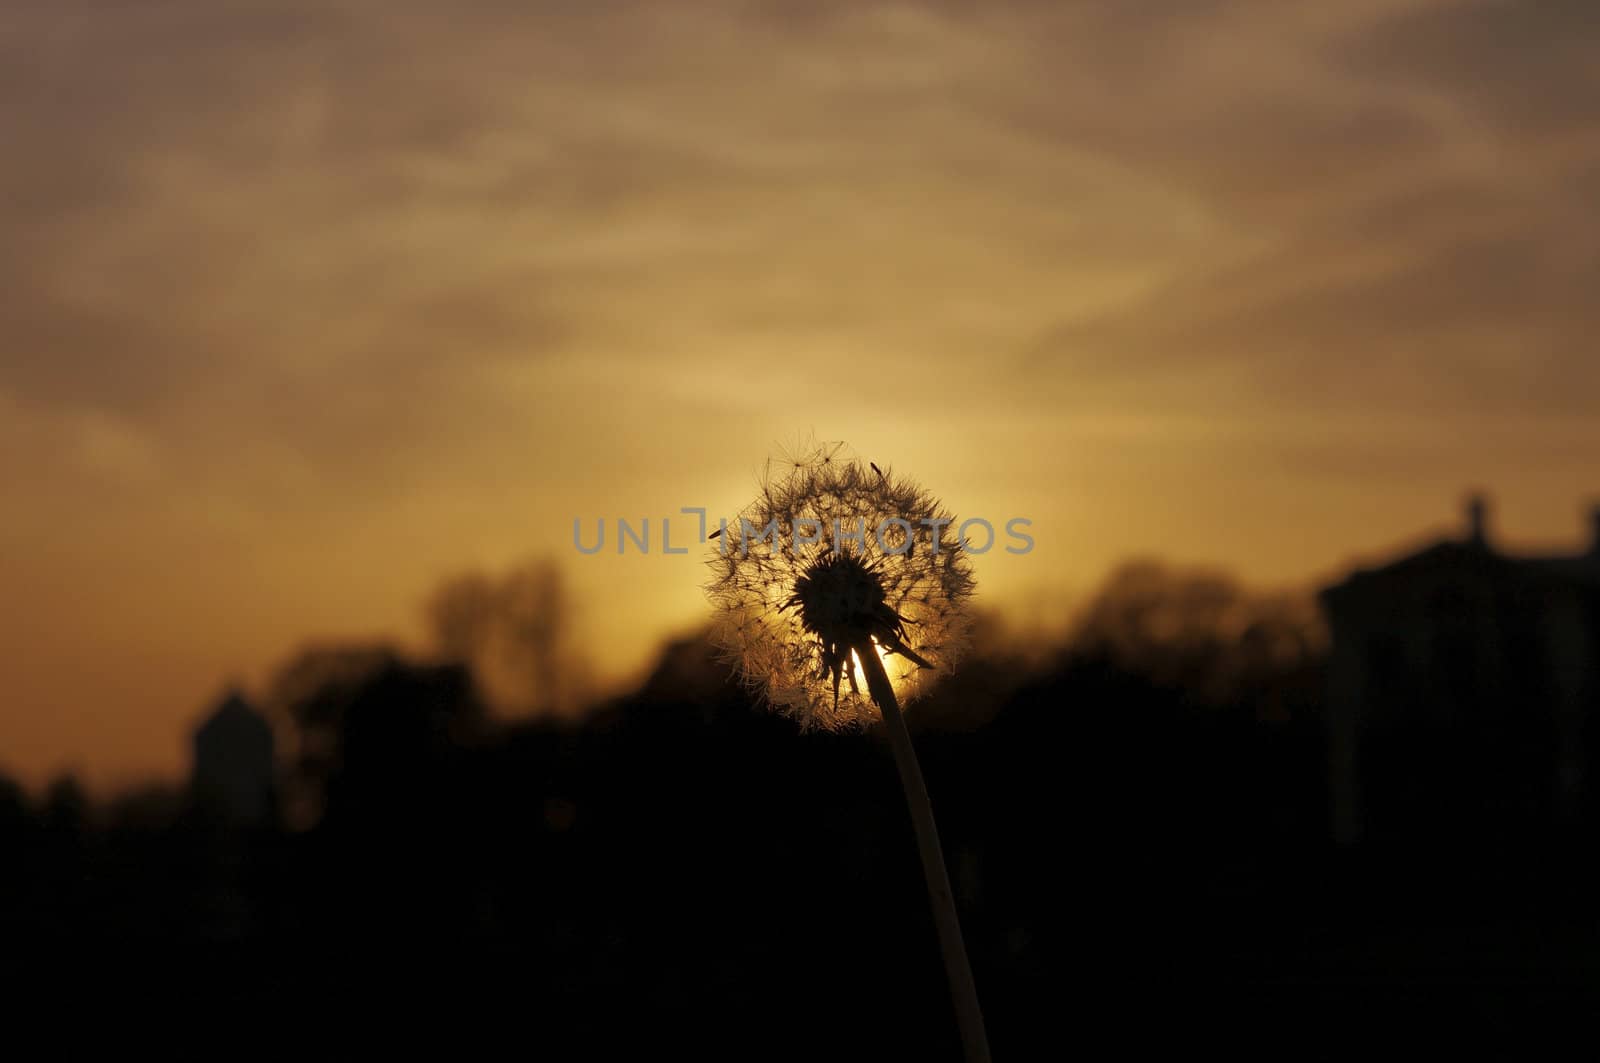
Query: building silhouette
(234,771)
(1462,686)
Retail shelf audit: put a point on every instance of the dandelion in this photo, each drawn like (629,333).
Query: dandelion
(861,557)
(840,594)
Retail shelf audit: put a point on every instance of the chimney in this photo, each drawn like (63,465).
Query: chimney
(1478,519)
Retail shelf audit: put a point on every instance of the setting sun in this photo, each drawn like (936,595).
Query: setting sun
(383,383)
(290,346)
(897,669)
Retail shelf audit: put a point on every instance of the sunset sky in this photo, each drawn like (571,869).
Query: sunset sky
(309,305)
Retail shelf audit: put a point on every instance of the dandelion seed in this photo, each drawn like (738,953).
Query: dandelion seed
(822,600)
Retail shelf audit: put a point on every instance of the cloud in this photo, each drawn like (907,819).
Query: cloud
(364,279)
(343,227)
(1435,257)
(1527,67)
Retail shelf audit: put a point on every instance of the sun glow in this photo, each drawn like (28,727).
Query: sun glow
(896,669)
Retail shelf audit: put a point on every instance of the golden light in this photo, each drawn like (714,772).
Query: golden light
(894,668)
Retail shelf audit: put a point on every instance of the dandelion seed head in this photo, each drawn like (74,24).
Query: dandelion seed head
(875,562)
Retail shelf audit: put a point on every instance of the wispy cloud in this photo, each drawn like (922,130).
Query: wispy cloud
(410,275)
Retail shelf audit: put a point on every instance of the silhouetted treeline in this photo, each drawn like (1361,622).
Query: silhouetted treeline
(1136,823)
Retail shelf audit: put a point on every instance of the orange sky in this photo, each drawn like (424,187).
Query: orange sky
(309,305)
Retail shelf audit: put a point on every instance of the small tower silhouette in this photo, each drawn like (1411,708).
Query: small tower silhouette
(234,770)
(1478,519)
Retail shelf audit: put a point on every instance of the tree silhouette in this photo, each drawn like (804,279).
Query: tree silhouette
(515,633)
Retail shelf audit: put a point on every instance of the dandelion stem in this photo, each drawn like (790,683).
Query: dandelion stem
(963,992)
